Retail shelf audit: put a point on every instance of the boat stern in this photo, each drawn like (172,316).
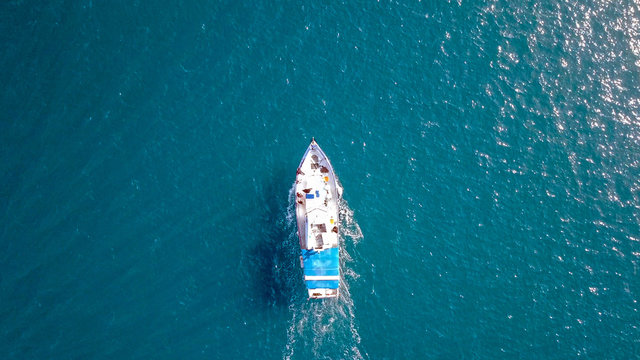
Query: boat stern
(321,273)
(323,293)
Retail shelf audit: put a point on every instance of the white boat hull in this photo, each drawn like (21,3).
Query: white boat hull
(317,194)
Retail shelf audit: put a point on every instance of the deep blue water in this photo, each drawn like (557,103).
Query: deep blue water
(489,153)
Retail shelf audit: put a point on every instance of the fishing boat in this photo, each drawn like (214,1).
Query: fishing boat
(317,194)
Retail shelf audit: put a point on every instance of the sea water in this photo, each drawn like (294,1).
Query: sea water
(489,153)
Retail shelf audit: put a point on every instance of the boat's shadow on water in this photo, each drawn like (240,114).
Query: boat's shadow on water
(276,252)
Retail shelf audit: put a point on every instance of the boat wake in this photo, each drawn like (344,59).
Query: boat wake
(326,328)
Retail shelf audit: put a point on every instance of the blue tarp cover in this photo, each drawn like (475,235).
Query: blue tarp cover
(322,263)
(323,284)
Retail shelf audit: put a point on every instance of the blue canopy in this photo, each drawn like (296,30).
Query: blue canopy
(321,263)
(323,284)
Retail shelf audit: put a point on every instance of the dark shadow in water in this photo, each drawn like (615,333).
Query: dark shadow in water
(277,277)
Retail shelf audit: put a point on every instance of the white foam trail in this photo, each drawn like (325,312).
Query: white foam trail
(319,329)
(291,210)
(348,226)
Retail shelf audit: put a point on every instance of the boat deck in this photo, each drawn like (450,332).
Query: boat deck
(316,207)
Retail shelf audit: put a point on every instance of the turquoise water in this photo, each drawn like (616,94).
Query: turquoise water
(489,153)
